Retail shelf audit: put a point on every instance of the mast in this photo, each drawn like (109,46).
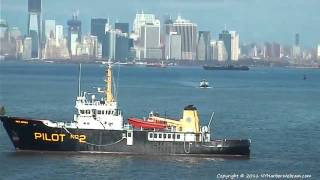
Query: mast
(79,81)
(108,89)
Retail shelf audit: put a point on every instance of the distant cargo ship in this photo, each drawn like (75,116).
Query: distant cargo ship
(98,127)
(157,65)
(227,67)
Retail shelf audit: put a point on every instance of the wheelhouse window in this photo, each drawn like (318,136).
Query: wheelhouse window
(87,111)
(155,135)
(178,136)
(165,136)
(81,111)
(99,111)
(160,135)
(150,135)
(169,136)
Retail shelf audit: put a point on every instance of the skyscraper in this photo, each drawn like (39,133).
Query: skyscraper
(74,34)
(98,28)
(49,29)
(123,27)
(188,32)
(203,46)
(297,39)
(318,52)
(142,19)
(59,34)
(4,30)
(173,46)
(34,26)
(27,48)
(150,40)
(235,49)
(225,36)
(218,51)
(296,51)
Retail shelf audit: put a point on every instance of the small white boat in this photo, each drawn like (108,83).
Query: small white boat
(204,84)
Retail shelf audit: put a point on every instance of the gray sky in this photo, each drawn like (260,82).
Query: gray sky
(255,20)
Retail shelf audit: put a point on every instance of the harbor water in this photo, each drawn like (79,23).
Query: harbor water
(274,107)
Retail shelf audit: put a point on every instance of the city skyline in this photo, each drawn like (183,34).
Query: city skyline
(256,21)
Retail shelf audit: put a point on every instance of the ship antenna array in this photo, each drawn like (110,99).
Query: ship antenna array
(79,81)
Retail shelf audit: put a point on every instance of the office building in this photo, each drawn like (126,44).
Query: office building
(74,34)
(235,49)
(318,52)
(34,27)
(4,30)
(98,28)
(219,52)
(49,29)
(173,46)
(150,40)
(188,32)
(203,46)
(122,47)
(59,34)
(27,48)
(296,50)
(225,36)
(142,19)
(123,27)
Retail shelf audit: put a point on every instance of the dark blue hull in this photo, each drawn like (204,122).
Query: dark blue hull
(27,134)
(234,68)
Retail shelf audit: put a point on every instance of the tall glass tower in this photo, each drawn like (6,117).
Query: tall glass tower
(34,27)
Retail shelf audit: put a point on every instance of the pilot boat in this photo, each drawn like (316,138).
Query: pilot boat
(98,127)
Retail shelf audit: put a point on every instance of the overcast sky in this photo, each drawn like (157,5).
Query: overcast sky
(255,20)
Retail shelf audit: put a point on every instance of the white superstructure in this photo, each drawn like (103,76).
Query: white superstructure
(92,113)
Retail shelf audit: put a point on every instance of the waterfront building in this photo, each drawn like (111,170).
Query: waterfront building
(225,36)
(27,48)
(34,26)
(49,29)
(74,34)
(173,46)
(235,49)
(188,32)
(203,46)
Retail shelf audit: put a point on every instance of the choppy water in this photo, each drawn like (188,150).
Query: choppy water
(274,107)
